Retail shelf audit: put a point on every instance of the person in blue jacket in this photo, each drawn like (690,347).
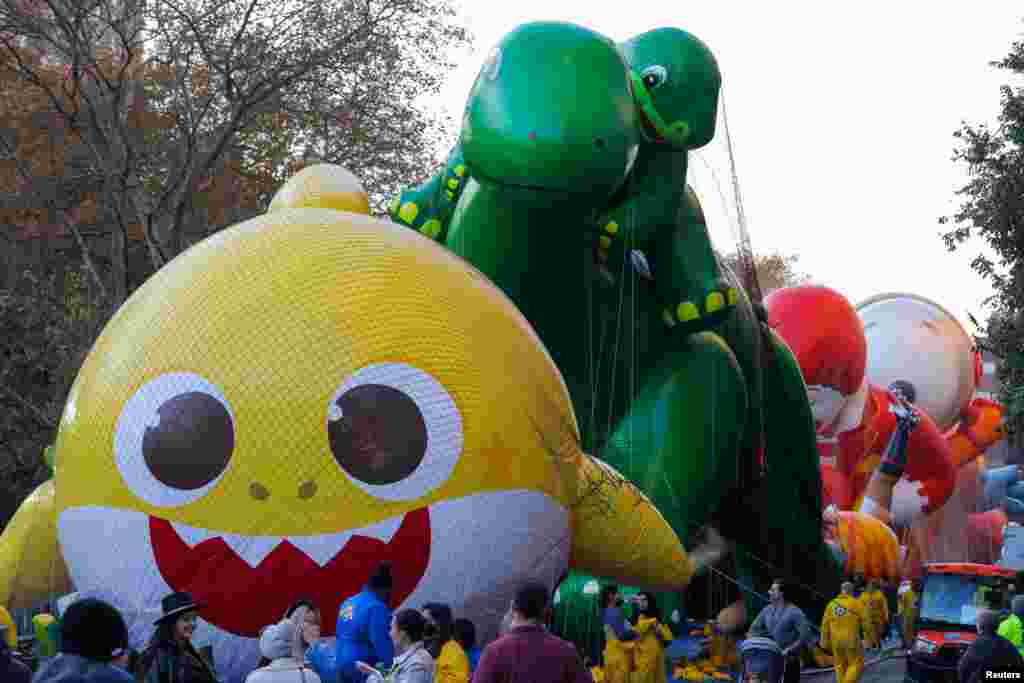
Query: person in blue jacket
(364,628)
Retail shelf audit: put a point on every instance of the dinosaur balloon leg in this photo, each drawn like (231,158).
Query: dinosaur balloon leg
(573,201)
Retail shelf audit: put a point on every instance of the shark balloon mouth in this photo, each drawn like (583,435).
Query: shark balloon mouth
(219,569)
(454,551)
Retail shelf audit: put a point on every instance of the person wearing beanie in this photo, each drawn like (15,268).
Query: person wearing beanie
(92,635)
(363,632)
(11,670)
(283,644)
(170,657)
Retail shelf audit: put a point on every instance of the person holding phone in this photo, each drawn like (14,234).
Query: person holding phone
(412,662)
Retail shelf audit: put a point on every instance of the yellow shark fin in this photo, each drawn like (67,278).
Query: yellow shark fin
(618,534)
(31,566)
(322,186)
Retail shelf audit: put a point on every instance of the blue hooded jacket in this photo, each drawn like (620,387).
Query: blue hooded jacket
(363,634)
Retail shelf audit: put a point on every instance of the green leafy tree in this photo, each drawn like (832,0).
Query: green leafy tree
(774,270)
(992,208)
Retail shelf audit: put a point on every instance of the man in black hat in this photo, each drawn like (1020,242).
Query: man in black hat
(92,634)
(364,628)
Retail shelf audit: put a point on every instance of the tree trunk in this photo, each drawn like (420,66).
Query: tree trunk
(118,266)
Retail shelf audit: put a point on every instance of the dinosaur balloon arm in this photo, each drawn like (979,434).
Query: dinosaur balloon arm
(617,532)
(32,568)
(428,208)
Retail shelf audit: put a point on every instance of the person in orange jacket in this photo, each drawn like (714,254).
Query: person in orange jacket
(842,631)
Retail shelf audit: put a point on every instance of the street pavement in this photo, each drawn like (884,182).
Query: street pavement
(876,670)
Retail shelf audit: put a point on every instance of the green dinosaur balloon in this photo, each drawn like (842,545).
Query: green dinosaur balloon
(568,190)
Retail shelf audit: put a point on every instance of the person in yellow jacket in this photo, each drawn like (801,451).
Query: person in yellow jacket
(451,665)
(619,637)
(11,633)
(842,632)
(876,612)
(908,611)
(652,637)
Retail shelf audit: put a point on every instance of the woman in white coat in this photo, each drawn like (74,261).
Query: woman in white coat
(412,663)
(284,644)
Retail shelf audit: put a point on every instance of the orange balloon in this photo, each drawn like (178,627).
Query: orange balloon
(871,547)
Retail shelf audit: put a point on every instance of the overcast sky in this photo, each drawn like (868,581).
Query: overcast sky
(841,118)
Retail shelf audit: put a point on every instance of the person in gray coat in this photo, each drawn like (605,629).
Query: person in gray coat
(412,663)
(787,625)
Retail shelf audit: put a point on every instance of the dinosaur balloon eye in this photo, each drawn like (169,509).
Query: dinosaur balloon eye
(395,431)
(654,76)
(174,439)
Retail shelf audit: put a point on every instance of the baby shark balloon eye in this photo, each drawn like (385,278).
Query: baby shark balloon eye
(395,431)
(654,76)
(174,439)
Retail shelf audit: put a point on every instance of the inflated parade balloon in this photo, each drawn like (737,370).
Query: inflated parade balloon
(854,418)
(915,343)
(570,140)
(301,396)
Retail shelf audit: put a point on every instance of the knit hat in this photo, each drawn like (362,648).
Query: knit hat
(381,578)
(93,629)
(276,640)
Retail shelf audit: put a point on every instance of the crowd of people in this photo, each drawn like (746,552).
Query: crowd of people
(373,644)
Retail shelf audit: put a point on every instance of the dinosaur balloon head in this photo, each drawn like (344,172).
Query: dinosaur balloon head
(552,110)
(676,82)
(821,327)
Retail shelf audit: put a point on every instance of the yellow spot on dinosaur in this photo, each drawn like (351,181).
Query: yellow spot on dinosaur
(731,296)
(449,194)
(611,228)
(460,170)
(669,319)
(408,212)
(605,241)
(453,183)
(687,311)
(714,302)
(431,228)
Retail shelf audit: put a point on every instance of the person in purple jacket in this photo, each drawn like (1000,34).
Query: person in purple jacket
(363,632)
(528,652)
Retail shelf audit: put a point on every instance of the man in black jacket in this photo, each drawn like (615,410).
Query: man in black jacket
(989,652)
(11,670)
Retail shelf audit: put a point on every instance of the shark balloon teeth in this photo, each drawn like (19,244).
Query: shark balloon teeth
(320,548)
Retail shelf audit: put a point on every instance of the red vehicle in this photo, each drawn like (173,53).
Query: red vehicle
(951,596)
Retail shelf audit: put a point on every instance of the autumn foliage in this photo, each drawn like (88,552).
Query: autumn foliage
(50,177)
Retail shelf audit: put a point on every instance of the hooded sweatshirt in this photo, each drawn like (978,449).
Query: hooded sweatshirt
(1012,627)
(68,668)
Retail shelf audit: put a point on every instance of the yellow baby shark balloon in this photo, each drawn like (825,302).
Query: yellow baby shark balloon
(304,395)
